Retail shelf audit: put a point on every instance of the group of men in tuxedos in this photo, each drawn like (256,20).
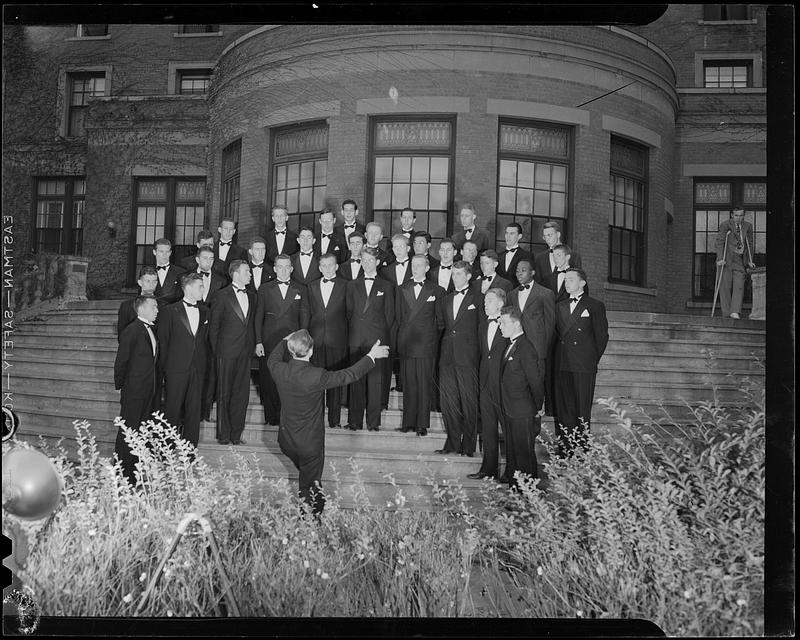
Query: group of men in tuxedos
(454,326)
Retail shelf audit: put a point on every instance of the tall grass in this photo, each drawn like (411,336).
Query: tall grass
(663,522)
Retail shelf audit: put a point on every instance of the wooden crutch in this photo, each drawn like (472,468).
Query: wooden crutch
(719,278)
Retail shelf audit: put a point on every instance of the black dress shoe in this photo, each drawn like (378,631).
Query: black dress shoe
(373,428)
(403,429)
(422,432)
(334,426)
(220,441)
(478,476)
(353,427)
(444,451)
(239,442)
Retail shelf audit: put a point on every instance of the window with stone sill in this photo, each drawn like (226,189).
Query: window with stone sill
(725,12)
(727,74)
(59,209)
(81,87)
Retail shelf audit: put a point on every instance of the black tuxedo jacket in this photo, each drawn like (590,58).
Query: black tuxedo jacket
(276,316)
(389,273)
(313,270)
(479,237)
(135,366)
(559,292)
(369,318)
(460,340)
(267,274)
(338,227)
(433,276)
(491,358)
(498,282)
(581,336)
(235,252)
(510,274)
(189,263)
(521,385)
(385,256)
(180,349)
(538,317)
(542,266)
(301,385)
(231,334)
(125,315)
(328,325)
(290,245)
(213,284)
(419,320)
(336,245)
(171,289)
(346,272)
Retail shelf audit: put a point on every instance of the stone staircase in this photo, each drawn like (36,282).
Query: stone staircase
(62,370)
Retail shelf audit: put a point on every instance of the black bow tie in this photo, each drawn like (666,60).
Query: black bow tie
(369,277)
(522,287)
(189,304)
(149,325)
(491,277)
(550,250)
(225,244)
(574,299)
(562,270)
(260,265)
(164,268)
(303,253)
(280,233)
(403,263)
(206,273)
(450,266)
(418,284)
(463,292)
(497,320)
(286,282)
(327,235)
(350,226)
(469,231)
(357,260)
(407,233)
(328,279)
(238,290)
(512,250)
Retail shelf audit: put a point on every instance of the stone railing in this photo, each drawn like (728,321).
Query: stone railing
(49,277)
(759,280)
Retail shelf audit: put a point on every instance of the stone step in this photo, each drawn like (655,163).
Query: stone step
(677,361)
(30,351)
(68,327)
(708,335)
(64,339)
(635,344)
(97,305)
(649,317)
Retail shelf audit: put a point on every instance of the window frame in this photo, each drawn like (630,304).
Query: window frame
(170,206)
(753,60)
(535,242)
(71,77)
(202,73)
(735,201)
(372,123)
(723,9)
(732,64)
(69,199)
(229,207)
(643,178)
(302,218)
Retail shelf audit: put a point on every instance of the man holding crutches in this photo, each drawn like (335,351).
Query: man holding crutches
(734,257)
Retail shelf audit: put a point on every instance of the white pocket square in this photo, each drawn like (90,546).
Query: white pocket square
(585,313)
(472,306)
(297,296)
(431,299)
(380,293)
(206,322)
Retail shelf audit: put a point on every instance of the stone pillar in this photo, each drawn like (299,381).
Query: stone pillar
(75,270)
(759,279)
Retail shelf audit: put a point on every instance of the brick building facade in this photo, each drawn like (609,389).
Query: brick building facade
(639,140)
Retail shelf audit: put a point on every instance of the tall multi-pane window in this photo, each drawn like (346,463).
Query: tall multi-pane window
(532,180)
(172,208)
(199,28)
(727,74)
(714,201)
(91,30)
(718,12)
(300,172)
(59,215)
(82,86)
(627,194)
(231,172)
(193,81)
(411,165)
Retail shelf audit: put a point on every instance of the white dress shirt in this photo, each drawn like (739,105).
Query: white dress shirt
(162,274)
(510,253)
(457,300)
(280,239)
(257,271)
(223,251)
(444,277)
(241,297)
(492,330)
(574,304)
(400,271)
(193,313)
(305,263)
(150,334)
(355,267)
(369,283)
(326,289)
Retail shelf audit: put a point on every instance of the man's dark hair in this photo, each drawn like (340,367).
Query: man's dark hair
(580,272)
(147,270)
(512,312)
(349,201)
(515,225)
(422,233)
(234,267)
(204,249)
(188,277)
(205,234)
(564,247)
(141,301)
(163,241)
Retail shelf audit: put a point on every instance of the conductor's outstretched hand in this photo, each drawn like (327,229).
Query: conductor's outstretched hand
(379,351)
